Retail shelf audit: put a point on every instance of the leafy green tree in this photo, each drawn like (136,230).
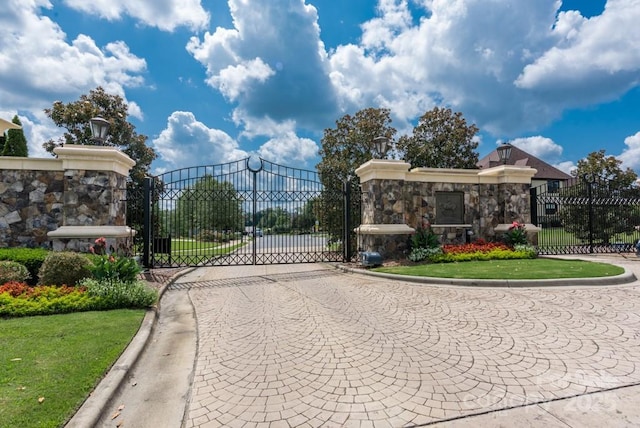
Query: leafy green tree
(278,220)
(442,139)
(209,206)
(345,148)
(75,116)
(305,217)
(600,179)
(16,143)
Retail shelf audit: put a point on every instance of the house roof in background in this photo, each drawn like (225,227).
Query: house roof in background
(521,158)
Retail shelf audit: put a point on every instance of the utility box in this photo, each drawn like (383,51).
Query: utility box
(370,258)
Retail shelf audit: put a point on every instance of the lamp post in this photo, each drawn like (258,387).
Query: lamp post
(380,145)
(99,128)
(504,152)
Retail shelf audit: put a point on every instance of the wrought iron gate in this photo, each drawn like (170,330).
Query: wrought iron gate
(251,211)
(587,217)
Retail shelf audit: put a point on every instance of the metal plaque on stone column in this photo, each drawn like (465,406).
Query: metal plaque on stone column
(449,207)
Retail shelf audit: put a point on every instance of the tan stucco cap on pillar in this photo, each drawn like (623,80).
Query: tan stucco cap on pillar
(507,174)
(382,169)
(95,158)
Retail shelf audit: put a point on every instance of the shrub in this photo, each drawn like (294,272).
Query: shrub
(13,271)
(118,294)
(112,269)
(64,268)
(516,235)
(479,245)
(14,288)
(424,238)
(31,258)
(528,251)
(18,299)
(420,254)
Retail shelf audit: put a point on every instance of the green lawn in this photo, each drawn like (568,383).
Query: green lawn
(187,248)
(540,268)
(557,236)
(49,364)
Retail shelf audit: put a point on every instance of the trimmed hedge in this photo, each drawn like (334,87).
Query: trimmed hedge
(31,258)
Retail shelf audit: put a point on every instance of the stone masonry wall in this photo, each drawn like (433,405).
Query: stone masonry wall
(414,204)
(94,198)
(31,204)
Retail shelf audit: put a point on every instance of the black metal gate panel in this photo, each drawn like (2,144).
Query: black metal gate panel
(587,217)
(250,211)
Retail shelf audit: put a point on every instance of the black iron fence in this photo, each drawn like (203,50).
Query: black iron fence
(250,211)
(587,217)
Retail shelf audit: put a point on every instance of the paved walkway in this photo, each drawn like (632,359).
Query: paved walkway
(310,346)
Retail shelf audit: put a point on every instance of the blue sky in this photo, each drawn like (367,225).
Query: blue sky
(214,81)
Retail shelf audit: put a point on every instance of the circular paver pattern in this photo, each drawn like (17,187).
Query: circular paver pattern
(325,348)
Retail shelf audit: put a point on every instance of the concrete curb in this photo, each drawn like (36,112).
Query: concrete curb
(91,410)
(624,278)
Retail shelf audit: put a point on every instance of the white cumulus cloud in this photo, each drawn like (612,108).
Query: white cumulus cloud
(272,63)
(541,147)
(593,60)
(166,15)
(188,142)
(630,156)
(39,65)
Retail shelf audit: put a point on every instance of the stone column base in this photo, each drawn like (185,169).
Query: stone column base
(389,240)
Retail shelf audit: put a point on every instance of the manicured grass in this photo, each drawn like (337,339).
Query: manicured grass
(58,360)
(540,268)
(205,249)
(187,246)
(557,237)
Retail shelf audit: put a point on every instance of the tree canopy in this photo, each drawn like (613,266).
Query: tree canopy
(345,148)
(207,206)
(350,144)
(599,168)
(15,143)
(600,180)
(441,139)
(75,116)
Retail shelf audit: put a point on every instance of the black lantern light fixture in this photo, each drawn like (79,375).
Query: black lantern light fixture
(380,145)
(504,152)
(99,129)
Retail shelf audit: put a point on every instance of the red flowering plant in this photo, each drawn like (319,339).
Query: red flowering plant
(111,268)
(100,247)
(516,235)
(478,246)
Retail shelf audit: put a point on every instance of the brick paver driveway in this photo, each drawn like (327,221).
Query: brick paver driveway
(310,346)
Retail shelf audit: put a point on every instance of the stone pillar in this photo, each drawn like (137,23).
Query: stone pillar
(95,182)
(383,228)
(514,198)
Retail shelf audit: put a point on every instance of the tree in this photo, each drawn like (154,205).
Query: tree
(345,148)
(595,217)
(75,116)
(442,139)
(16,143)
(305,217)
(209,206)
